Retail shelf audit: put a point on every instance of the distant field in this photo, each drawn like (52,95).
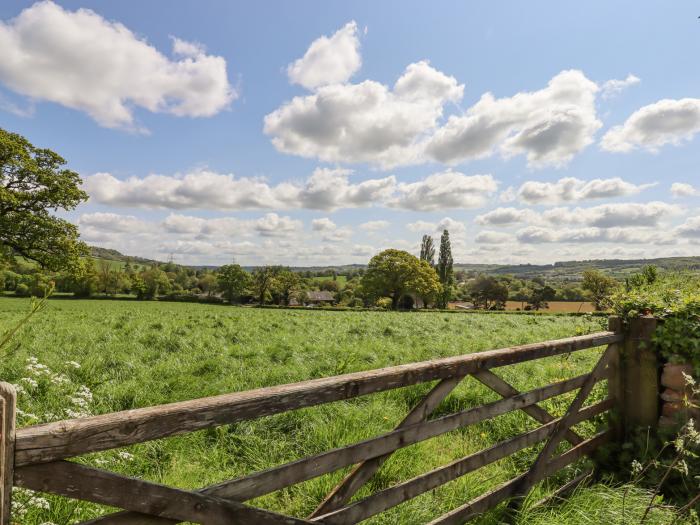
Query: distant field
(117,355)
(341,279)
(556,306)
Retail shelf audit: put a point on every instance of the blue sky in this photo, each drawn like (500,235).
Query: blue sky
(321,132)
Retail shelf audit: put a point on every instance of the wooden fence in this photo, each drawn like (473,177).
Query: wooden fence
(36,457)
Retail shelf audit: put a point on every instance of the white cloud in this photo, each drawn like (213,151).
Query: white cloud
(690,228)
(328,60)
(374,226)
(365,122)
(447,223)
(667,121)
(84,62)
(449,189)
(112,222)
(506,216)
(323,224)
(325,189)
(540,235)
(573,189)
(491,237)
(614,87)
(549,126)
(682,189)
(272,225)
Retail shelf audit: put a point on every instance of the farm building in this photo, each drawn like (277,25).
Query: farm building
(322,297)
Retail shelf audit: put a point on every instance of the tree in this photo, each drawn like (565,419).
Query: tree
(287,284)
(32,183)
(445,270)
(427,250)
(232,280)
(425,282)
(262,280)
(599,287)
(151,283)
(83,278)
(394,273)
(539,296)
(488,293)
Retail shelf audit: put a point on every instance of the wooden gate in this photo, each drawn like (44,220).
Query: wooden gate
(36,457)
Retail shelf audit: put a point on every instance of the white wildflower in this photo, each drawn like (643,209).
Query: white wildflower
(32,383)
(125,455)
(73,364)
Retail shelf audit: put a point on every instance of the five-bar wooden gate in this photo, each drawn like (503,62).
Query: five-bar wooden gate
(37,457)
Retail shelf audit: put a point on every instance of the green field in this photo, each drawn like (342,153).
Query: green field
(102,356)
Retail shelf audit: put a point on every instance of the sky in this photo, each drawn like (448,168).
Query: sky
(317,133)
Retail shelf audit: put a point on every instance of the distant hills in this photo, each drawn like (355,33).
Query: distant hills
(565,271)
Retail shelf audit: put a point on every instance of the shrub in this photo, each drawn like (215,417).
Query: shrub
(22,290)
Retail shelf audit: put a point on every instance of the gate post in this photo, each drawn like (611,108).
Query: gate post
(8,402)
(615,379)
(640,376)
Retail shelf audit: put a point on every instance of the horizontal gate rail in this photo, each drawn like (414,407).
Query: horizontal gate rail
(41,451)
(64,439)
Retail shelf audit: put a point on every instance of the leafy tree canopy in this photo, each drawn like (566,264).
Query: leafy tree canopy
(232,280)
(394,273)
(32,184)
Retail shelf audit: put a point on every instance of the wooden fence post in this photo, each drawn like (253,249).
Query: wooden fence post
(8,402)
(615,380)
(640,376)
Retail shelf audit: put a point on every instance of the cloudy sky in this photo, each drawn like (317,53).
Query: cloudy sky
(313,133)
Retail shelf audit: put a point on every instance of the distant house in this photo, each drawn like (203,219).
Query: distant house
(322,297)
(460,305)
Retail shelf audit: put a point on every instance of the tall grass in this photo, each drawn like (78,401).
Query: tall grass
(90,357)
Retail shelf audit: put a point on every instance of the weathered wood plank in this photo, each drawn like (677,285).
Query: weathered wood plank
(505,389)
(510,488)
(275,478)
(8,403)
(397,494)
(345,490)
(63,439)
(565,422)
(98,486)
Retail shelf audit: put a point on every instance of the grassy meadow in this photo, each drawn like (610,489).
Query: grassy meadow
(89,357)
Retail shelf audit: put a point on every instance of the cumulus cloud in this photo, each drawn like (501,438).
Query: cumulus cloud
(374,226)
(325,189)
(84,62)
(112,222)
(447,223)
(549,126)
(690,228)
(667,121)
(449,189)
(682,189)
(322,224)
(614,87)
(573,189)
(492,237)
(540,235)
(506,216)
(365,122)
(330,230)
(329,60)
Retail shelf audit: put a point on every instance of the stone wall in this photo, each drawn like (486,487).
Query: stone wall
(677,401)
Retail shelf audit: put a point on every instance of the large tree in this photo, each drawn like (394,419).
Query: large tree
(394,273)
(427,250)
(32,185)
(445,270)
(232,280)
(262,281)
(488,293)
(599,286)
(287,283)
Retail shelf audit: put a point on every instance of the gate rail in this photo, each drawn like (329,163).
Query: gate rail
(36,457)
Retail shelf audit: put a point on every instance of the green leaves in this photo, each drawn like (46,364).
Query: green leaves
(32,183)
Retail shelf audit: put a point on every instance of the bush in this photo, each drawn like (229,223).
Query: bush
(675,300)
(22,290)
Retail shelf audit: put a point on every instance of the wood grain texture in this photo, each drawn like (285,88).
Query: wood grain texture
(8,403)
(510,488)
(347,488)
(397,494)
(98,486)
(505,389)
(64,439)
(304,469)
